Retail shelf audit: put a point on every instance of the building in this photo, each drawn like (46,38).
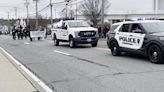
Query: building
(133,9)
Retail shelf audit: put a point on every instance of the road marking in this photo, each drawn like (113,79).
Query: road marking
(105,49)
(29,75)
(62,52)
(26,43)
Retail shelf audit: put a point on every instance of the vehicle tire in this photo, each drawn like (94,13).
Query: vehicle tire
(72,43)
(115,49)
(94,44)
(56,41)
(155,55)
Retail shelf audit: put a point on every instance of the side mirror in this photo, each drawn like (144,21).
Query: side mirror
(64,27)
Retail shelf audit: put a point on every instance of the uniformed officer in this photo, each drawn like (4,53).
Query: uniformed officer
(25,32)
(14,32)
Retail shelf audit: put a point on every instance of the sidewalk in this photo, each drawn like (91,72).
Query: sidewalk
(11,80)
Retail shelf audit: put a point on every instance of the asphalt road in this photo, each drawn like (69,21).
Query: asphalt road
(86,69)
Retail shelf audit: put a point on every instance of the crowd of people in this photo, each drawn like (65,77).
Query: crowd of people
(104,31)
(20,32)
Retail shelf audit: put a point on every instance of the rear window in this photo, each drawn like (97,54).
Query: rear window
(113,27)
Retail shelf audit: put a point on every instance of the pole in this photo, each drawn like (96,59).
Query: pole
(76,11)
(55,14)
(8,22)
(36,13)
(15,8)
(51,13)
(71,8)
(36,24)
(102,18)
(27,4)
(66,10)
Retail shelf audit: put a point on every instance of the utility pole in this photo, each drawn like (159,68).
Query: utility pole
(76,11)
(15,9)
(55,14)
(66,7)
(71,8)
(27,4)
(8,22)
(36,6)
(102,18)
(51,13)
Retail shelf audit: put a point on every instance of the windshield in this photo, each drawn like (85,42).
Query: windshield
(78,24)
(154,27)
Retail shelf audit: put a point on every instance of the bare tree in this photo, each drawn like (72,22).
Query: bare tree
(91,9)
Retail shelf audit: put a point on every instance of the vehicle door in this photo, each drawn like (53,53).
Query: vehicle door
(122,36)
(137,34)
(64,31)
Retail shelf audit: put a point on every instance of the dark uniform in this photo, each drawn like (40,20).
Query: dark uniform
(14,33)
(28,32)
(19,32)
(25,32)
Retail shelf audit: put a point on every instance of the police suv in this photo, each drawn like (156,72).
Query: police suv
(145,37)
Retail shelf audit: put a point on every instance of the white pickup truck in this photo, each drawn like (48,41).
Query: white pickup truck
(75,32)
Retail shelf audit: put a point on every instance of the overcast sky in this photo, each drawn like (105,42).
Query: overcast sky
(116,5)
(8,6)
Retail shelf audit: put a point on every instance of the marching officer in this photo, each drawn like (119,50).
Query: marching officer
(14,32)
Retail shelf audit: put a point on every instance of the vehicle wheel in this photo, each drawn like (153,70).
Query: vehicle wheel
(115,49)
(72,43)
(94,44)
(56,41)
(155,54)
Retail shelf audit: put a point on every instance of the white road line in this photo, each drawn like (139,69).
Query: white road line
(105,49)
(62,52)
(26,43)
(35,79)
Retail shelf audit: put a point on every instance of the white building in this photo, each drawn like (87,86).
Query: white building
(134,9)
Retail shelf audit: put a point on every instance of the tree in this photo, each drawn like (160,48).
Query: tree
(91,9)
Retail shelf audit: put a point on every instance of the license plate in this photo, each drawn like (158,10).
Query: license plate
(89,40)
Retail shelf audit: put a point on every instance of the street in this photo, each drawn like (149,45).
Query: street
(85,69)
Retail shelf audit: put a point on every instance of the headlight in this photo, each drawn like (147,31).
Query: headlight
(77,33)
(161,38)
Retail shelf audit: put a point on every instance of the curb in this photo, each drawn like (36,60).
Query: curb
(35,81)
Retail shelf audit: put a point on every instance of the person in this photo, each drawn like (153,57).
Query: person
(25,32)
(28,32)
(99,30)
(19,32)
(137,30)
(14,32)
(106,29)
